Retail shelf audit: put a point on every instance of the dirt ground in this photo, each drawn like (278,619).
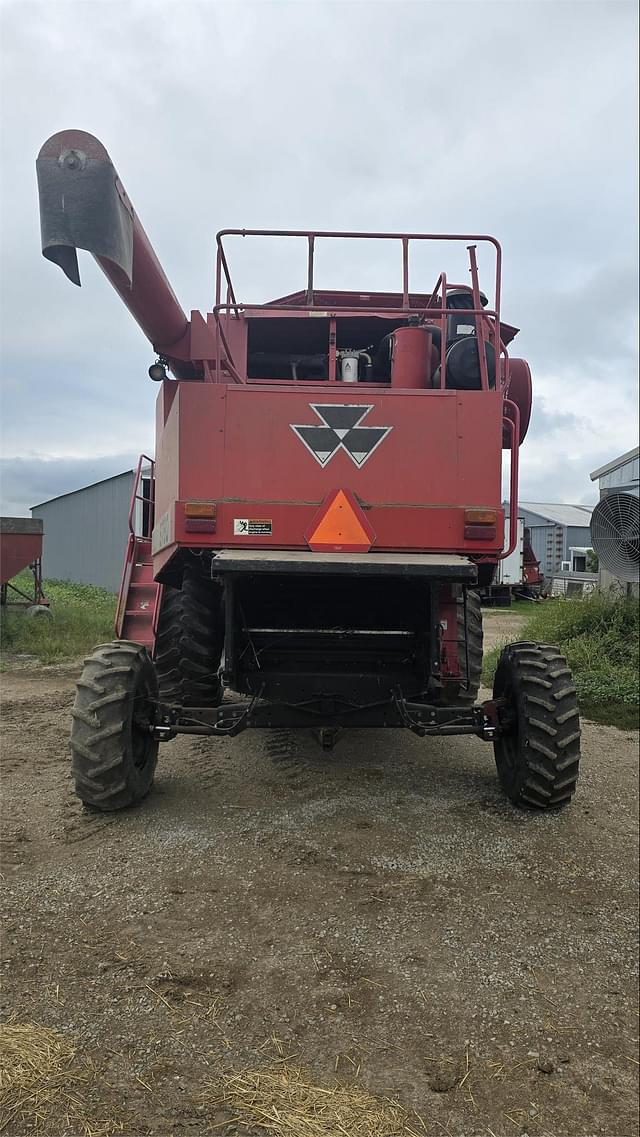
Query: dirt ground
(381,911)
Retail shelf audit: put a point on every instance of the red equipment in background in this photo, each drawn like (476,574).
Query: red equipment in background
(21,548)
(325,496)
(533,577)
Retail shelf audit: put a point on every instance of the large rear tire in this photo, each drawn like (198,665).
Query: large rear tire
(538,756)
(189,644)
(114,753)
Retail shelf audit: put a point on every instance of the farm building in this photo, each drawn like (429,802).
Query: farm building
(85,532)
(555,531)
(619,476)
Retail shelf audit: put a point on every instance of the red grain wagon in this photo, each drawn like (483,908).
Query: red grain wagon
(21,548)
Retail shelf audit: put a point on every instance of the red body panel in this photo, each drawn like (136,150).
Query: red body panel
(235,446)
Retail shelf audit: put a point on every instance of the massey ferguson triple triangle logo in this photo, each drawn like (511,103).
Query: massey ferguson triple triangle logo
(339,429)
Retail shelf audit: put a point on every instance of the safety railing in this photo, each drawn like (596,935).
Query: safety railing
(487,320)
(146,501)
(512,424)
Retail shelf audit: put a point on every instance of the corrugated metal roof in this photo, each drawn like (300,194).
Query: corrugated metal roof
(615,463)
(560,514)
(81,489)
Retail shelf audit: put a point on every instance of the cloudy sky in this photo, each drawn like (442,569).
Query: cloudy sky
(515,117)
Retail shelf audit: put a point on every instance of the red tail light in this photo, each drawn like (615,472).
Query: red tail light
(200,516)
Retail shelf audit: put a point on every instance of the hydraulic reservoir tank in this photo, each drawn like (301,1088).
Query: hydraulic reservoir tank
(411,357)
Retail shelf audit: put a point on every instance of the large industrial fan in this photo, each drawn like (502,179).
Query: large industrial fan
(615,535)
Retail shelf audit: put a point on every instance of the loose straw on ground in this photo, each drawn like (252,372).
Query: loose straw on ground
(285,1102)
(42,1083)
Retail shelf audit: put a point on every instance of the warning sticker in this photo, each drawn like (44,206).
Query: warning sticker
(251,527)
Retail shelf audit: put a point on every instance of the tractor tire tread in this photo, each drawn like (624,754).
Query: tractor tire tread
(541,766)
(189,644)
(105,774)
(472,634)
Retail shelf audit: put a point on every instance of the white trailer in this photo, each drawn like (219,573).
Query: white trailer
(509,573)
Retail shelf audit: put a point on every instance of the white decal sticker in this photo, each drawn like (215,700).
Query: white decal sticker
(252,527)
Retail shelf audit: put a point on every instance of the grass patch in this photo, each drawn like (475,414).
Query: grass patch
(612,714)
(599,636)
(82,617)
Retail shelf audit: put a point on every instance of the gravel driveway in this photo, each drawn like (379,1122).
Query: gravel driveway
(380,911)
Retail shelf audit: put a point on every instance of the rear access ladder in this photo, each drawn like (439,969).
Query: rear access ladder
(139,597)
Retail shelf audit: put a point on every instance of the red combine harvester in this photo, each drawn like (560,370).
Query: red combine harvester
(324,498)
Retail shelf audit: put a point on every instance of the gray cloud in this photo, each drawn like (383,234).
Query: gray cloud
(30,481)
(515,118)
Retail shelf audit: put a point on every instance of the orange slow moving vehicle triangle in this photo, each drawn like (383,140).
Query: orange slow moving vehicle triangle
(340,526)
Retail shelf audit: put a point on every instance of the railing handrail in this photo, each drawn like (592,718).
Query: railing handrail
(222,311)
(135,496)
(241,306)
(513,425)
(311,235)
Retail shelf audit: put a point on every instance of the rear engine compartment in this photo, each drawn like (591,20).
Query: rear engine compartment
(370,348)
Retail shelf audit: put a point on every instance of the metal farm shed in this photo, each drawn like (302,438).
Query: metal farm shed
(85,532)
(555,530)
(621,475)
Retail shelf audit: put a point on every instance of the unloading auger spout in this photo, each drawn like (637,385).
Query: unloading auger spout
(83,205)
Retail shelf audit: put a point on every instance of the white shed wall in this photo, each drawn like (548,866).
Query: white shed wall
(86,533)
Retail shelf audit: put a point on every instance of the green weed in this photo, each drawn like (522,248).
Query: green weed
(599,636)
(82,617)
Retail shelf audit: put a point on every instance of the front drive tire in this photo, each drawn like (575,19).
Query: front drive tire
(114,754)
(538,756)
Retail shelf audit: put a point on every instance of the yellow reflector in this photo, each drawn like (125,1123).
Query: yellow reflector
(480,516)
(200,509)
